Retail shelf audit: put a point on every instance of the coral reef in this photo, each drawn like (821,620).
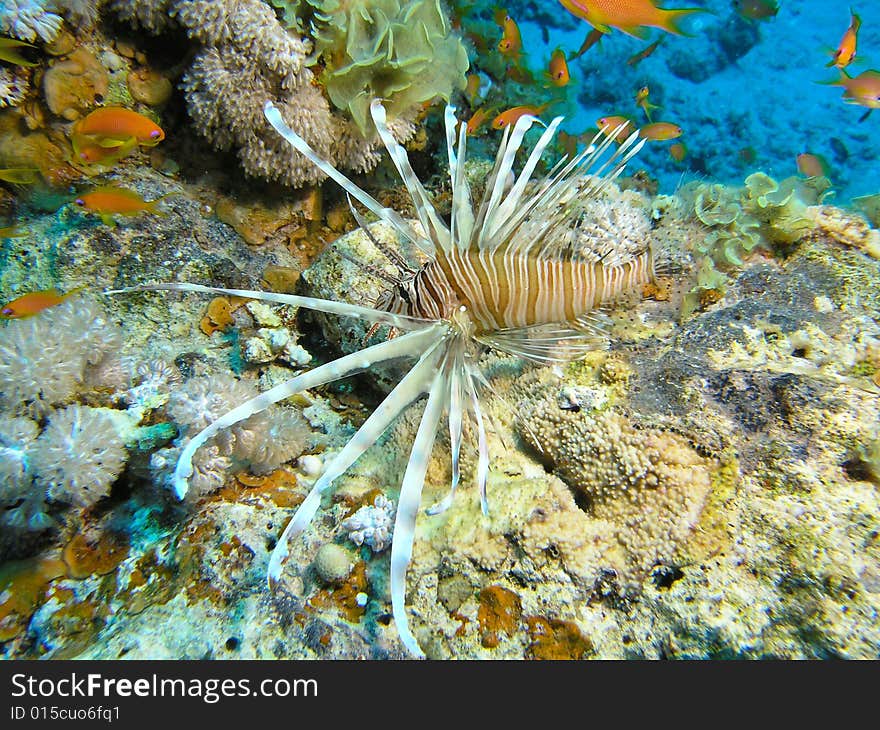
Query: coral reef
(29,20)
(45,360)
(401,51)
(78,455)
(648,485)
(246,57)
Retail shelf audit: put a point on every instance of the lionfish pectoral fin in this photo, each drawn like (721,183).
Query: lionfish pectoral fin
(455,431)
(391,217)
(329,306)
(482,442)
(408,504)
(411,344)
(411,386)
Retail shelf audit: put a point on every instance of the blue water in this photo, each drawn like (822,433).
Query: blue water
(766,99)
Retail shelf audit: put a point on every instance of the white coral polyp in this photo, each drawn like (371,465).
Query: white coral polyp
(29,19)
(79,455)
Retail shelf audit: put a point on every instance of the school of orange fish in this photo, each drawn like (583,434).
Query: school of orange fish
(102,139)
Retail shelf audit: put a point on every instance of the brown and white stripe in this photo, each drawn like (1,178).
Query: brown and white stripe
(503,290)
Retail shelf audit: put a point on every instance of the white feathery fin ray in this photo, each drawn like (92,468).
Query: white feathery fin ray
(411,344)
(455,424)
(401,321)
(434,227)
(391,217)
(409,501)
(511,202)
(462,215)
(411,387)
(503,167)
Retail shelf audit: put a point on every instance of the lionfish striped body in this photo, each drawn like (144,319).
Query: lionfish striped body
(502,291)
(510,273)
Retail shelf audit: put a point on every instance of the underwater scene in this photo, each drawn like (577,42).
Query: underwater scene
(389,329)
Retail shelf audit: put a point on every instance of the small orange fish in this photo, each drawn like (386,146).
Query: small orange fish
(8,54)
(94,158)
(110,201)
(623,127)
(637,58)
(557,73)
(813,165)
(660,131)
(477,120)
(593,37)
(510,44)
(632,17)
(511,116)
(115,125)
(642,101)
(677,151)
(20,175)
(756,9)
(863,89)
(472,87)
(34,302)
(748,155)
(846,51)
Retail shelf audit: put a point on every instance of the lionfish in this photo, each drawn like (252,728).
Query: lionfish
(509,273)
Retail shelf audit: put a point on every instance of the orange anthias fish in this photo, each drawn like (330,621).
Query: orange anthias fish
(472,87)
(632,17)
(609,124)
(677,151)
(813,165)
(593,37)
(34,302)
(510,44)
(756,9)
(114,126)
(863,89)
(10,55)
(846,51)
(557,73)
(110,201)
(94,158)
(512,115)
(660,131)
(477,120)
(642,101)
(19,175)
(637,58)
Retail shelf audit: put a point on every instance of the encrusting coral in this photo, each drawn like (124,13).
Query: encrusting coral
(648,485)
(247,58)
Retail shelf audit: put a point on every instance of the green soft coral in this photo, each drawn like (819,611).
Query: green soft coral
(400,51)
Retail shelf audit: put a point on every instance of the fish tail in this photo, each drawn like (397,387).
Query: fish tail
(672,20)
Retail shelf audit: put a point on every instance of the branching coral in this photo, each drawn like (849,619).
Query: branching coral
(247,58)
(29,20)
(372,525)
(78,455)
